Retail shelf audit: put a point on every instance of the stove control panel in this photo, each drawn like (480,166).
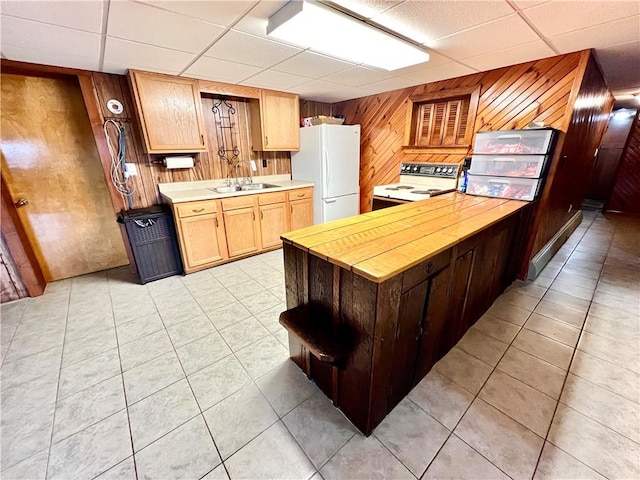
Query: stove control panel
(439,170)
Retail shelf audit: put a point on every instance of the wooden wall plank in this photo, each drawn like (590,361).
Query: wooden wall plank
(625,196)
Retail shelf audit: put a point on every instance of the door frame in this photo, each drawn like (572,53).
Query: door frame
(20,246)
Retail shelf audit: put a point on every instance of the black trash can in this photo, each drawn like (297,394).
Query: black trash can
(152,236)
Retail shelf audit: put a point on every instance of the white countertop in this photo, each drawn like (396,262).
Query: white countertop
(178,192)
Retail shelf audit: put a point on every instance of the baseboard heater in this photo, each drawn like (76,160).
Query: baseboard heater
(540,259)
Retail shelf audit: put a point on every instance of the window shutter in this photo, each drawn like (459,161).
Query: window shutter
(442,122)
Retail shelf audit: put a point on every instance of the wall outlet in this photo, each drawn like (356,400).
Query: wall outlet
(254,167)
(130,170)
(264,163)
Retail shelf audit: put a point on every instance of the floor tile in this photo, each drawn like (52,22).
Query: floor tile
(554,464)
(245,289)
(506,443)
(26,435)
(218,473)
(148,378)
(89,372)
(270,279)
(140,327)
(458,461)
(243,333)
(262,356)
(32,468)
(270,317)
(441,398)
(25,345)
(496,328)
(467,371)
(576,281)
(614,314)
(238,419)
(510,313)
(519,298)
(261,301)
(560,313)
(232,277)
(482,346)
(186,452)
(528,288)
(364,458)
(272,454)
(17,399)
(202,352)
(125,470)
(599,447)
(190,330)
(630,303)
(319,428)
(626,334)
(133,307)
(28,368)
(567,300)
(576,291)
(160,413)
(536,373)
(559,331)
(218,381)
(622,381)
(144,349)
(228,314)
(611,351)
(286,387)
(80,410)
(519,401)
(91,451)
(89,346)
(179,312)
(545,348)
(603,406)
(412,435)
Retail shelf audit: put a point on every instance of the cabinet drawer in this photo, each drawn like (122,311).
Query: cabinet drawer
(526,166)
(237,202)
(300,194)
(424,270)
(525,142)
(269,198)
(504,187)
(196,208)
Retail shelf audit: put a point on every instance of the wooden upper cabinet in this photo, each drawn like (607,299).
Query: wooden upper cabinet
(170,112)
(275,122)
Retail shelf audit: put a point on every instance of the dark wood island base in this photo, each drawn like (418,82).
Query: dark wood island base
(393,291)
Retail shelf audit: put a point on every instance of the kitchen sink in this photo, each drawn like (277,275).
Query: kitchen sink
(258,186)
(229,189)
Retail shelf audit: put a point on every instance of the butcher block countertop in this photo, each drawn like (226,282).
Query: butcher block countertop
(383,243)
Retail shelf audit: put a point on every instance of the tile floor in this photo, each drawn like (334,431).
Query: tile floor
(188,377)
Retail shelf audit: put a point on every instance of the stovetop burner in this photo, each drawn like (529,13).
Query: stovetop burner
(430,191)
(400,187)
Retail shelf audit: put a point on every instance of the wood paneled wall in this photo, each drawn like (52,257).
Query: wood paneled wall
(568,178)
(625,196)
(208,164)
(309,108)
(510,98)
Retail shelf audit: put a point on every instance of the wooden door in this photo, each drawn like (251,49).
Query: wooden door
(273,223)
(201,240)
(280,120)
(459,289)
(242,231)
(301,214)
(170,112)
(49,158)
(12,286)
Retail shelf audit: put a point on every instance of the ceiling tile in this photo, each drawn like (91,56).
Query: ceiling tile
(510,56)
(275,80)
(220,70)
(312,65)
(86,15)
(219,12)
(243,48)
(489,37)
(600,36)
(153,26)
(357,76)
(367,8)
(562,16)
(121,69)
(40,41)
(441,72)
(615,62)
(57,58)
(139,55)
(524,4)
(425,21)
(255,22)
(316,88)
(435,59)
(389,84)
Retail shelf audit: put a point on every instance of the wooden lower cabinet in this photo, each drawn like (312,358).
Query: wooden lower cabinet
(301,212)
(273,222)
(242,229)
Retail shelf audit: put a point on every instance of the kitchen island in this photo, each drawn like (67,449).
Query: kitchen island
(375,300)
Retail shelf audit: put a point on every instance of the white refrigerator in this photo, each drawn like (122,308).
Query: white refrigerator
(329,157)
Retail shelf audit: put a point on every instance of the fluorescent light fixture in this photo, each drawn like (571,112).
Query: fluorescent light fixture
(323,29)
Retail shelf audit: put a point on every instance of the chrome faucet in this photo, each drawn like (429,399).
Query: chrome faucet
(250,177)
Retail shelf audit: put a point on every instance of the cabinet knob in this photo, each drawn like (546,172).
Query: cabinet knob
(254,215)
(216,222)
(430,267)
(197,210)
(21,202)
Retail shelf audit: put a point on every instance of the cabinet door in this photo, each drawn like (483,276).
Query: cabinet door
(273,223)
(170,112)
(242,231)
(301,213)
(280,115)
(408,335)
(202,240)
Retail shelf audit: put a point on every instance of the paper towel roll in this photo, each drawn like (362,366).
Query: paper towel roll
(178,162)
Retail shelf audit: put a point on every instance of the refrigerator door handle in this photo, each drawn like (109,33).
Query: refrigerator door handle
(329,200)
(327,176)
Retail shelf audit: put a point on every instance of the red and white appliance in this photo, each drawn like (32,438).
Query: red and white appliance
(417,182)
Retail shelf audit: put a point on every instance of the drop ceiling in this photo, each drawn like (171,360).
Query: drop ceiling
(226,41)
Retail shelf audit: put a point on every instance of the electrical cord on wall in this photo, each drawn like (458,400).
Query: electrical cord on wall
(118,178)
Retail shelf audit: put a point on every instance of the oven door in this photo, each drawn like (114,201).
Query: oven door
(381,202)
